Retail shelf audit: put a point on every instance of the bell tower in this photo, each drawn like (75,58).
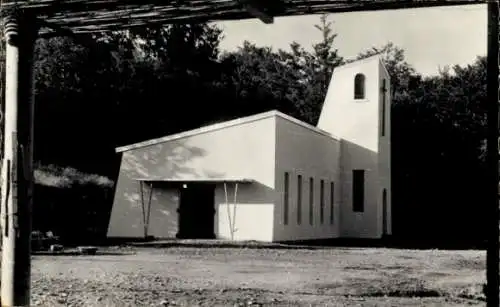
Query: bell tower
(357,111)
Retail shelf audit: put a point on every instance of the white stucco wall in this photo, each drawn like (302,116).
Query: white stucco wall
(356,122)
(301,151)
(252,216)
(385,152)
(243,150)
(360,224)
(263,147)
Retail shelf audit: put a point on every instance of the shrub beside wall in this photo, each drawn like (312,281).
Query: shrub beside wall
(74,205)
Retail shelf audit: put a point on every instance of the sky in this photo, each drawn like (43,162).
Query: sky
(431,37)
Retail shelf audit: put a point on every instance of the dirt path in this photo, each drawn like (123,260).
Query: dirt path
(242,277)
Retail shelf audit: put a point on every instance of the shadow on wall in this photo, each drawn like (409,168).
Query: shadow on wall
(249,215)
(169,159)
(365,221)
(185,160)
(164,161)
(415,224)
(173,160)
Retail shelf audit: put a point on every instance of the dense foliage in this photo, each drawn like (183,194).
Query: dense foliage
(131,86)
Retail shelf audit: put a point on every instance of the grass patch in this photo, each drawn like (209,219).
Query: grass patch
(360,268)
(473,293)
(65,177)
(470,264)
(421,292)
(394,287)
(436,275)
(218,244)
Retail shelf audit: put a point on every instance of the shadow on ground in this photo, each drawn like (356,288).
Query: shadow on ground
(398,243)
(152,243)
(76,253)
(393,243)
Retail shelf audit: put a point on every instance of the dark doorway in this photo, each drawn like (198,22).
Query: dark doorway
(384,212)
(196,211)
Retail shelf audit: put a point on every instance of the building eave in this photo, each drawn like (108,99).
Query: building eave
(220,126)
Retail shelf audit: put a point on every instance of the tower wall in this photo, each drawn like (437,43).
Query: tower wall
(352,111)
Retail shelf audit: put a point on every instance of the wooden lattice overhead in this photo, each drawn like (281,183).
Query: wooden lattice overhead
(87,16)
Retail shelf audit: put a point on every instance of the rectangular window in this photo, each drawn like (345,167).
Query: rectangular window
(299,199)
(384,93)
(311,200)
(332,202)
(286,196)
(322,201)
(358,190)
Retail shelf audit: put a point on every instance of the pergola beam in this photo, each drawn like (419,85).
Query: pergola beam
(260,9)
(83,16)
(61,31)
(260,14)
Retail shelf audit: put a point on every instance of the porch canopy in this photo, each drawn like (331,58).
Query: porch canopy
(145,200)
(194,180)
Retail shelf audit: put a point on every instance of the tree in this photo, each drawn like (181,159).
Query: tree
(260,79)
(176,69)
(118,91)
(73,103)
(437,128)
(316,69)
(327,57)
(293,81)
(438,133)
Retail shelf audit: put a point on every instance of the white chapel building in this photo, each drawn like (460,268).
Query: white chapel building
(268,177)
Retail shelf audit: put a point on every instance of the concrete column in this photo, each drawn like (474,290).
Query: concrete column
(17,170)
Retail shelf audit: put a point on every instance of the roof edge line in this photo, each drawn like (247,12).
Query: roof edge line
(306,125)
(196,131)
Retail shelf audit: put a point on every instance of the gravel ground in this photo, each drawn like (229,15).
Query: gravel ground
(182,276)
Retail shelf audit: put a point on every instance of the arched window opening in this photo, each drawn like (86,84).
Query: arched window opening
(359,86)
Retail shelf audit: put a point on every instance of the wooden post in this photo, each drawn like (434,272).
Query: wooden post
(17,171)
(492,257)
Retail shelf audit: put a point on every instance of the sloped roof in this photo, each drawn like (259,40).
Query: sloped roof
(375,57)
(223,125)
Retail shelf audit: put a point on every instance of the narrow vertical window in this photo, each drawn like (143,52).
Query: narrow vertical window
(299,199)
(358,190)
(286,199)
(359,86)
(332,202)
(384,94)
(322,201)
(311,200)
(384,212)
